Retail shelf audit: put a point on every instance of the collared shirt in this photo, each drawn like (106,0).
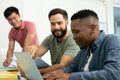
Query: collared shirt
(86,68)
(105,62)
(28,28)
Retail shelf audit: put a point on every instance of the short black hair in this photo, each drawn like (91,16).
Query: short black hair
(84,13)
(58,11)
(8,11)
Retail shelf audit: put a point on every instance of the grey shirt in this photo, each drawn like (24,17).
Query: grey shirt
(57,50)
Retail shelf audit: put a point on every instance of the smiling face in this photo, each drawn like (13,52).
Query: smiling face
(14,20)
(58,25)
(82,32)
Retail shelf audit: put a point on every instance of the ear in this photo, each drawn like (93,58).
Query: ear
(93,28)
(67,22)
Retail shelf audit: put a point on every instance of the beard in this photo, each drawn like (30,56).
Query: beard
(63,32)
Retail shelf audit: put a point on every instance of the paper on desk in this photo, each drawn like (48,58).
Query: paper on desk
(8,69)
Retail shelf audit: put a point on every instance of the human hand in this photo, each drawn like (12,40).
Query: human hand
(32,50)
(56,75)
(6,63)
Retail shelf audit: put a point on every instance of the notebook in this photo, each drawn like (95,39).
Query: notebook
(12,68)
(28,66)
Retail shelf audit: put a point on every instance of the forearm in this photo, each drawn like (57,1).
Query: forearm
(25,47)
(9,55)
(50,68)
(109,72)
(28,41)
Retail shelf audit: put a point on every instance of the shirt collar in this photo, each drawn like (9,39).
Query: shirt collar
(22,25)
(98,41)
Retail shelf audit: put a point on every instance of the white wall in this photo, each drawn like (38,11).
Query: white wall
(37,11)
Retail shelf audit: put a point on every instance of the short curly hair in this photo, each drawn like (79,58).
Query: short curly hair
(84,13)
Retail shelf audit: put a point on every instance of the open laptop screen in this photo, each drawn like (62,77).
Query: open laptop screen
(28,66)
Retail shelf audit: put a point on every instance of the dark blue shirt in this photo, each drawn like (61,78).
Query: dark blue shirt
(105,62)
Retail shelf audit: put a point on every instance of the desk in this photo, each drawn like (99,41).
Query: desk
(7,75)
(10,75)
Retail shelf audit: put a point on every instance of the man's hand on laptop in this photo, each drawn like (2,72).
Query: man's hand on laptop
(56,75)
(32,50)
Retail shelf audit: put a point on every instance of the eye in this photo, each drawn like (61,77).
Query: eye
(14,17)
(52,24)
(76,31)
(59,23)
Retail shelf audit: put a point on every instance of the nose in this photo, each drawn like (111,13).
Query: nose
(12,21)
(56,26)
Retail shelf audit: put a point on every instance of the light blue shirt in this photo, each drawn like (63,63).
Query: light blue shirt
(105,62)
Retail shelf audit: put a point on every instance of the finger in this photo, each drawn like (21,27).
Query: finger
(59,79)
(33,55)
(46,75)
(5,63)
(52,76)
(31,50)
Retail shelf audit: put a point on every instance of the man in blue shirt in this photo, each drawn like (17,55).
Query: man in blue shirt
(99,58)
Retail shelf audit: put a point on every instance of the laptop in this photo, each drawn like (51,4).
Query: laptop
(28,66)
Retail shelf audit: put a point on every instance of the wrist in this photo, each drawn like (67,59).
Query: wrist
(8,61)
